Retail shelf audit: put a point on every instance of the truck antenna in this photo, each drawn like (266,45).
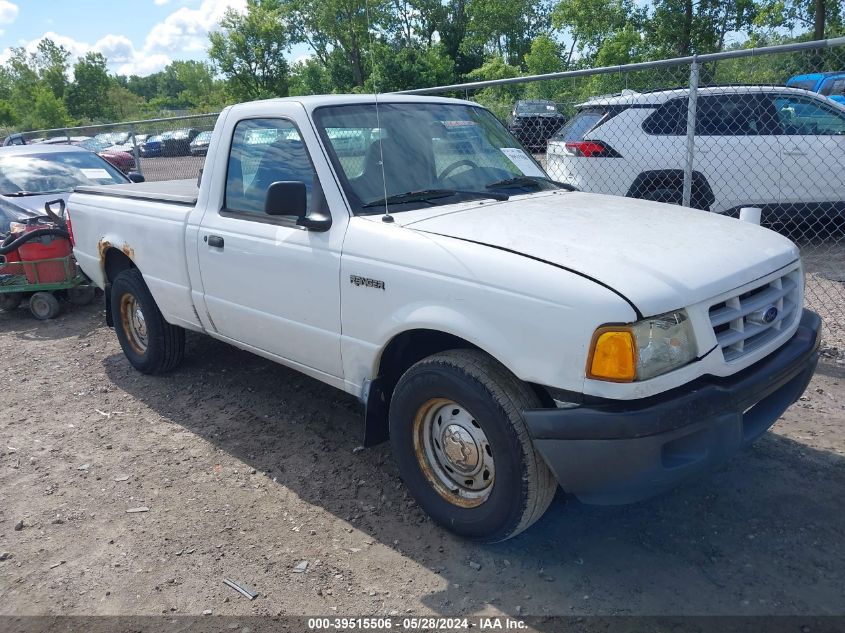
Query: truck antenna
(386,217)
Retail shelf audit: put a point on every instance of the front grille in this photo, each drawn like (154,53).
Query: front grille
(746,322)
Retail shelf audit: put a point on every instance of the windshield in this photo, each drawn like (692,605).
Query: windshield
(535,107)
(94,145)
(578,126)
(804,84)
(450,150)
(56,172)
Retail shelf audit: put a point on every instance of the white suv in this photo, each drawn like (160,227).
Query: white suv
(779,148)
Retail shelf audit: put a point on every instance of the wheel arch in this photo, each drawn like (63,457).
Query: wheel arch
(114,262)
(702,194)
(401,352)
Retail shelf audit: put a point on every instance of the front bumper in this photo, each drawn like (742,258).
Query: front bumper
(623,451)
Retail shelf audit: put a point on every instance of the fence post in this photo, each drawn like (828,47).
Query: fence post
(692,104)
(135,152)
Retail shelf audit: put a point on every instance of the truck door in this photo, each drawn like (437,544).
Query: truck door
(267,282)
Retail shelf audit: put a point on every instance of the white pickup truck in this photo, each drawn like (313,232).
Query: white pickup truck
(506,333)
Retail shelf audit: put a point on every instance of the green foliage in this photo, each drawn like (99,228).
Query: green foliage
(87,96)
(249,50)
(47,110)
(387,45)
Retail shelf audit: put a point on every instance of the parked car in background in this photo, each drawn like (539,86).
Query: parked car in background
(151,147)
(114,138)
(67,140)
(31,175)
(10,212)
(534,122)
(831,85)
(199,146)
(778,148)
(124,161)
(178,142)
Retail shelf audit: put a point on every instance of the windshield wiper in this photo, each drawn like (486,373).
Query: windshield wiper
(527,181)
(21,194)
(426,195)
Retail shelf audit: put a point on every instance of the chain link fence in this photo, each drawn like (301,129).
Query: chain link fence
(762,128)
(160,149)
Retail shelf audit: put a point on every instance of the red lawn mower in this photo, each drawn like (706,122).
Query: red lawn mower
(36,262)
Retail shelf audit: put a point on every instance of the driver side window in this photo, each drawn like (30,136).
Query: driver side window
(264,151)
(802,116)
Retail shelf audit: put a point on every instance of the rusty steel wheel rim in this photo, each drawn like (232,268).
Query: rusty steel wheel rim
(453,452)
(133,322)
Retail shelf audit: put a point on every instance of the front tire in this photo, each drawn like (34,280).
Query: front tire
(151,344)
(462,447)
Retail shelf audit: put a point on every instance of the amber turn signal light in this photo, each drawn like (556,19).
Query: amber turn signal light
(613,355)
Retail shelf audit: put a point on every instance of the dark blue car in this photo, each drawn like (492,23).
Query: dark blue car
(152,146)
(831,85)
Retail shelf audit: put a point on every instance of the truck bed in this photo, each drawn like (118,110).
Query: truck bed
(182,192)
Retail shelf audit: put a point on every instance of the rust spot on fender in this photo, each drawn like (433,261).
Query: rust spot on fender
(103,247)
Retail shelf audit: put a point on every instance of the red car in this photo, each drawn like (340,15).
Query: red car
(124,161)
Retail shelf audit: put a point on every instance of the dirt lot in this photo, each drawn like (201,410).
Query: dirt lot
(248,469)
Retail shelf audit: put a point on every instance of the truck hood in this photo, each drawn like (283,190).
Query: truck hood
(660,257)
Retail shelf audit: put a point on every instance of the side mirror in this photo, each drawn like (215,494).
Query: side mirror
(287,197)
(136,176)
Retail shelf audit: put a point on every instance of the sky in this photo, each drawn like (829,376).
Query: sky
(138,37)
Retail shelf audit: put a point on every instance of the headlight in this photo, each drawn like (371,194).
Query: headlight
(643,350)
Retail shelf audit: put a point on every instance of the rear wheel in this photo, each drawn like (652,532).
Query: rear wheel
(10,301)
(44,305)
(151,344)
(463,449)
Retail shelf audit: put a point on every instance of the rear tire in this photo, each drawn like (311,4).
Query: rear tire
(10,301)
(44,306)
(462,447)
(151,344)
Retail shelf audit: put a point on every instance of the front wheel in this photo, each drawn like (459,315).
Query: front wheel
(463,449)
(151,344)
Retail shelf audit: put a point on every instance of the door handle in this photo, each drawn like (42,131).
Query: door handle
(794,152)
(215,241)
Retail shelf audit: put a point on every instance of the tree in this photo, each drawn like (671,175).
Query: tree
(87,96)
(822,18)
(505,27)
(249,50)
(544,57)
(683,27)
(345,25)
(399,67)
(51,61)
(47,110)
(591,23)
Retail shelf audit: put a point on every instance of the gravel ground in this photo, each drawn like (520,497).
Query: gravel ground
(249,471)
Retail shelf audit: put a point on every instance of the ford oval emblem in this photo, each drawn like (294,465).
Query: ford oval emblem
(770,314)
